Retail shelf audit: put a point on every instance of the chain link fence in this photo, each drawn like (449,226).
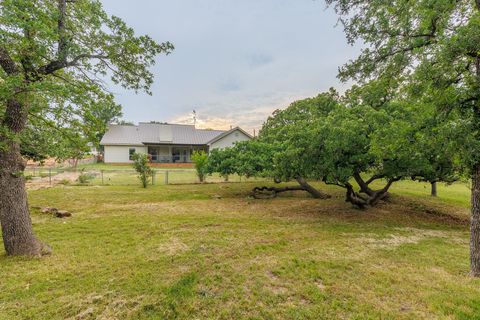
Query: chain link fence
(118,177)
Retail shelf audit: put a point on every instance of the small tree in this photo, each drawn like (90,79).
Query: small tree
(223,161)
(140,163)
(200,159)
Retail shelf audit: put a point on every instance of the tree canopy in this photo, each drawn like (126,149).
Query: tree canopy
(347,142)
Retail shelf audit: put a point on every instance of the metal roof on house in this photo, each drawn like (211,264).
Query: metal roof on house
(156,133)
(122,135)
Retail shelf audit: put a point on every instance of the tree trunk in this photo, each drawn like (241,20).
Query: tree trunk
(17,231)
(434,188)
(317,194)
(475,197)
(367,197)
(364,186)
(75,164)
(475,223)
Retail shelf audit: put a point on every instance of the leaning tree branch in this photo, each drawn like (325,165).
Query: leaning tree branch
(272,192)
(362,184)
(317,194)
(59,64)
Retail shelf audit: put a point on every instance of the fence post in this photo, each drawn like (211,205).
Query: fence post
(102,175)
(166,177)
(50,175)
(153,177)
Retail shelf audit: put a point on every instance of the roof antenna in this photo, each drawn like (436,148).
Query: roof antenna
(194,117)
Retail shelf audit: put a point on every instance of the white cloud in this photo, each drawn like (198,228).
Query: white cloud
(223,118)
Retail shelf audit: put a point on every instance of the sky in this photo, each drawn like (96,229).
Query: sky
(234,62)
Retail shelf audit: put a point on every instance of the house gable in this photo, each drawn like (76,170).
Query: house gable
(229,138)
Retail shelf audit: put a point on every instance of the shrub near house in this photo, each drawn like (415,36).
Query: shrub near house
(140,163)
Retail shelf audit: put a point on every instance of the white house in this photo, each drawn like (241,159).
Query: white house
(165,143)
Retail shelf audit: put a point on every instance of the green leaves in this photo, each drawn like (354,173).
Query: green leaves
(340,139)
(200,159)
(427,52)
(140,163)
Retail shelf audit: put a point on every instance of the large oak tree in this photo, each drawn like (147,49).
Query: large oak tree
(434,46)
(54,55)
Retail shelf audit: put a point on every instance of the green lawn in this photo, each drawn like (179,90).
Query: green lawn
(210,252)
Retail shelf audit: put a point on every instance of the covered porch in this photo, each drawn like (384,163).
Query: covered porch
(173,153)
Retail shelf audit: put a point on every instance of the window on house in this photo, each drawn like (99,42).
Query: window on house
(131,152)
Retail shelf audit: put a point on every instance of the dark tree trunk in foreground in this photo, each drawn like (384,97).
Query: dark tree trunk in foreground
(475,197)
(475,224)
(17,231)
(434,188)
(475,219)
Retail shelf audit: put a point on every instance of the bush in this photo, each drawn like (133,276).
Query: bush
(200,159)
(140,163)
(85,177)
